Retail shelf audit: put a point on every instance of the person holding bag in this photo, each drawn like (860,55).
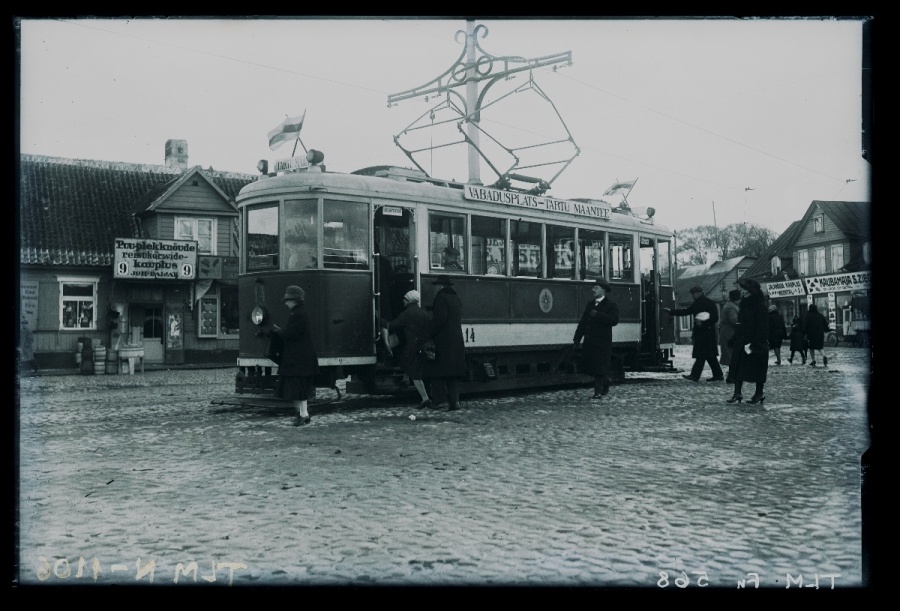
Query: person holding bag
(413,321)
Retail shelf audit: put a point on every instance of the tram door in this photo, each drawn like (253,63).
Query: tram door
(395,242)
(649,295)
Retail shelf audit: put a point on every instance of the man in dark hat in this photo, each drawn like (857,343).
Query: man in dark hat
(600,316)
(451,260)
(703,336)
(299,361)
(450,352)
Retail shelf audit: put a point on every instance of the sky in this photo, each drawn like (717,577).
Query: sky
(720,121)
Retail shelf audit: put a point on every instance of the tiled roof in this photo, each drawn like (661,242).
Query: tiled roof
(70,210)
(782,246)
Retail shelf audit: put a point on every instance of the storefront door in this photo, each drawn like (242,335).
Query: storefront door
(153,334)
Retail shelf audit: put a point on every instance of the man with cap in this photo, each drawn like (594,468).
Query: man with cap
(703,335)
(600,316)
(446,330)
(299,361)
(414,322)
(451,260)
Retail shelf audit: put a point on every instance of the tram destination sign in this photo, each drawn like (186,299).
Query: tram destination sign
(524,200)
(141,259)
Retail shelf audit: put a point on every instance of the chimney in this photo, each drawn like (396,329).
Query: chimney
(177,154)
(713,255)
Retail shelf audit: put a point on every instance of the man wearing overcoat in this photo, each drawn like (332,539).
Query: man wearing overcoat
(703,336)
(600,316)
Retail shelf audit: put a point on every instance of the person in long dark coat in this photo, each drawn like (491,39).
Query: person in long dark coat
(299,361)
(750,361)
(815,327)
(727,325)
(703,335)
(413,321)
(600,316)
(777,334)
(798,340)
(446,331)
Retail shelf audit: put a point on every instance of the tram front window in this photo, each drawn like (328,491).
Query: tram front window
(447,247)
(560,252)
(262,237)
(300,236)
(620,258)
(590,250)
(346,235)
(526,246)
(488,246)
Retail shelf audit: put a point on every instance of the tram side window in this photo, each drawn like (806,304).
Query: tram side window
(664,263)
(560,252)
(621,260)
(447,242)
(346,235)
(488,246)
(590,250)
(262,237)
(300,236)
(525,238)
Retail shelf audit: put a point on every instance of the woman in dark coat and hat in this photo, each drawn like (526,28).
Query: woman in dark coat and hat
(750,361)
(414,322)
(299,361)
(446,330)
(815,327)
(777,334)
(600,316)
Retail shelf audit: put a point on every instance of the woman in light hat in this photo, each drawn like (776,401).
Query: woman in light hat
(414,322)
(299,361)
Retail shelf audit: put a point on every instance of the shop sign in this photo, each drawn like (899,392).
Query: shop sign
(839,282)
(155,259)
(785,288)
(28,296)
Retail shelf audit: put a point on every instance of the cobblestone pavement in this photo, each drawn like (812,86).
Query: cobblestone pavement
(659,483)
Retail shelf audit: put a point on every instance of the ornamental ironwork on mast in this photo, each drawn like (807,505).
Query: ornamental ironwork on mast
(473,67)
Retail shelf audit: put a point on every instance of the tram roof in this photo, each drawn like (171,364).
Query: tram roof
(391,182)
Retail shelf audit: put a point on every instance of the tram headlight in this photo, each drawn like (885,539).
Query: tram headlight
(259,316)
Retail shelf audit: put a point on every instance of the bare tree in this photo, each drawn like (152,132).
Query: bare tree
(735,240)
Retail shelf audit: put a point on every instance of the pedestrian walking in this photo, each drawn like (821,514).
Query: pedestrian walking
(777,334)
(600,316)
(798,340)
(703,335)
(815,327)
(727,326)
(449,363)
(413,322)
(750,361)
(299,361)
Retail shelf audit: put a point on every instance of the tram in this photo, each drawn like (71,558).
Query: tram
(357,242)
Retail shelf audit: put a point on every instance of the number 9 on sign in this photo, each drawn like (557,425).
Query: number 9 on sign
(187,270)
(123,268)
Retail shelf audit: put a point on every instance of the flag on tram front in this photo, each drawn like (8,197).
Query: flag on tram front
(288,130)
(620,186)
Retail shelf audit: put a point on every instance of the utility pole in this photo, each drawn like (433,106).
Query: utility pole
(472,102)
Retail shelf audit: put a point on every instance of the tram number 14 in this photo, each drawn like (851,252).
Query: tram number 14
(470,335)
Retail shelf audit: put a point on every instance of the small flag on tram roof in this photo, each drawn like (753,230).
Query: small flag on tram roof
(620,186)
(288,130)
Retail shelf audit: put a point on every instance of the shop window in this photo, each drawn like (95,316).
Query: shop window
(560,252)
(837,257)
(301,244)
(78,303)
(262,237)
(820,260)
(345,237)
(590,251)
(203,231)
(447,243)
(218,314)
(525,238)
(621,261)
(488,246)
(803,262)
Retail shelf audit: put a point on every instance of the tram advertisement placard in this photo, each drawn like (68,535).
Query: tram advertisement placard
(142,259)
(524,200)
